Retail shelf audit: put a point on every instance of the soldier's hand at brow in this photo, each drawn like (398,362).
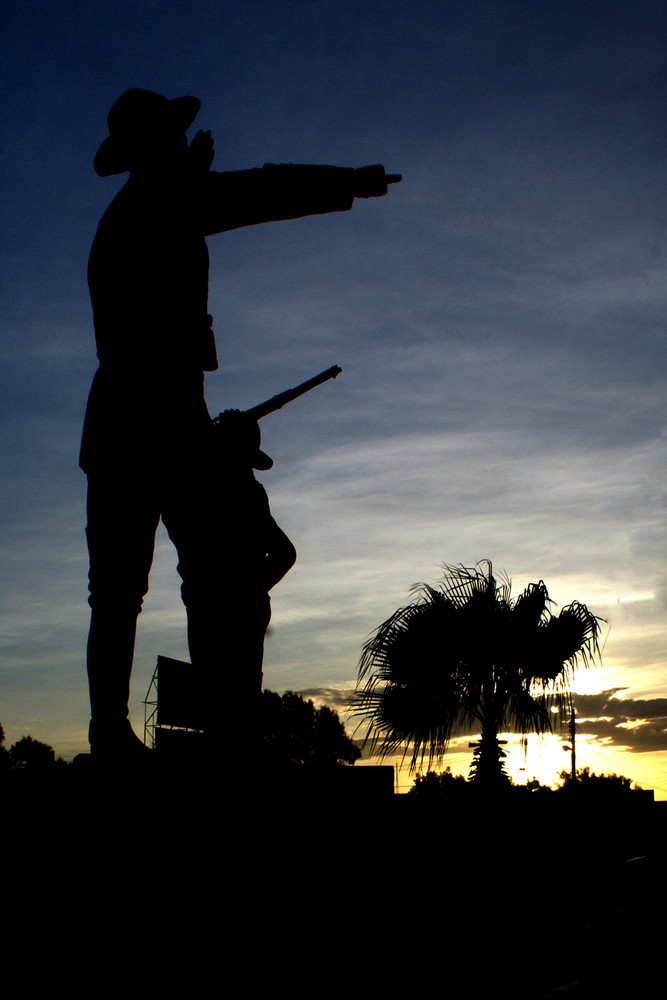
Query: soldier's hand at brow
(201,150)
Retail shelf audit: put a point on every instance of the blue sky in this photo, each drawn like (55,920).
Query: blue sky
(499,318)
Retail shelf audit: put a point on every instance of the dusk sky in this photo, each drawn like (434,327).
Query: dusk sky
(499,318)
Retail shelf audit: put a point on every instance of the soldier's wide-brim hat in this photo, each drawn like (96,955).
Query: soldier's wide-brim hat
(135,115)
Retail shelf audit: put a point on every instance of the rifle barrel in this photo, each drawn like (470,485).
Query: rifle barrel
(277,402)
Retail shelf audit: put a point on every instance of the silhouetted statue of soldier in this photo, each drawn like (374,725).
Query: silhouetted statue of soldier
(149,446)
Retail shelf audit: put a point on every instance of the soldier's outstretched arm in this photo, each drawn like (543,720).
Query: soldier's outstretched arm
(277,192)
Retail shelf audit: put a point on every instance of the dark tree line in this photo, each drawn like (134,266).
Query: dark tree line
(27,753)
(434,784)
(295,734)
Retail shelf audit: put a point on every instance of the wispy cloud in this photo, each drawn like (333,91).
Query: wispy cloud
(635,724)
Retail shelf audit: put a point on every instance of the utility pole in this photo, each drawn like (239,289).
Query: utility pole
(571,747)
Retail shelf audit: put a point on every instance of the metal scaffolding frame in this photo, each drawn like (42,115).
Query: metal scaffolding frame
(150,717)
(153,725)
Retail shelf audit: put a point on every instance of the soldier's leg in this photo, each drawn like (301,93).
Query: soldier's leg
(226,634)
(227,614)
(122,521)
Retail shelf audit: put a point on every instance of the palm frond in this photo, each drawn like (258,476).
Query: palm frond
(567,641)
(462,584)
(530,607)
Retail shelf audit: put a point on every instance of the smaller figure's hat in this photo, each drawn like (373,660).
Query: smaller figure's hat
(241,437)
(135,114)
(260,460)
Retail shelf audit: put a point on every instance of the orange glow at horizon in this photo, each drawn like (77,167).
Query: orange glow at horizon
(544,758)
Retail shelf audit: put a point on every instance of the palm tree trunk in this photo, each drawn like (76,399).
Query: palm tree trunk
(487,769)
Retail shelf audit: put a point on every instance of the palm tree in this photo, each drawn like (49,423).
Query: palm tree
(467,654)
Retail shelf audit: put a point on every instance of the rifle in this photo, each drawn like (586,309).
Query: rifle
(277,402)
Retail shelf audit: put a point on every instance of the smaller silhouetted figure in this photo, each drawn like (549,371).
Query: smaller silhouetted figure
(260,554)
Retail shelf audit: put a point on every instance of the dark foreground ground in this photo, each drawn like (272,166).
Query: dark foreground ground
(173,882)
